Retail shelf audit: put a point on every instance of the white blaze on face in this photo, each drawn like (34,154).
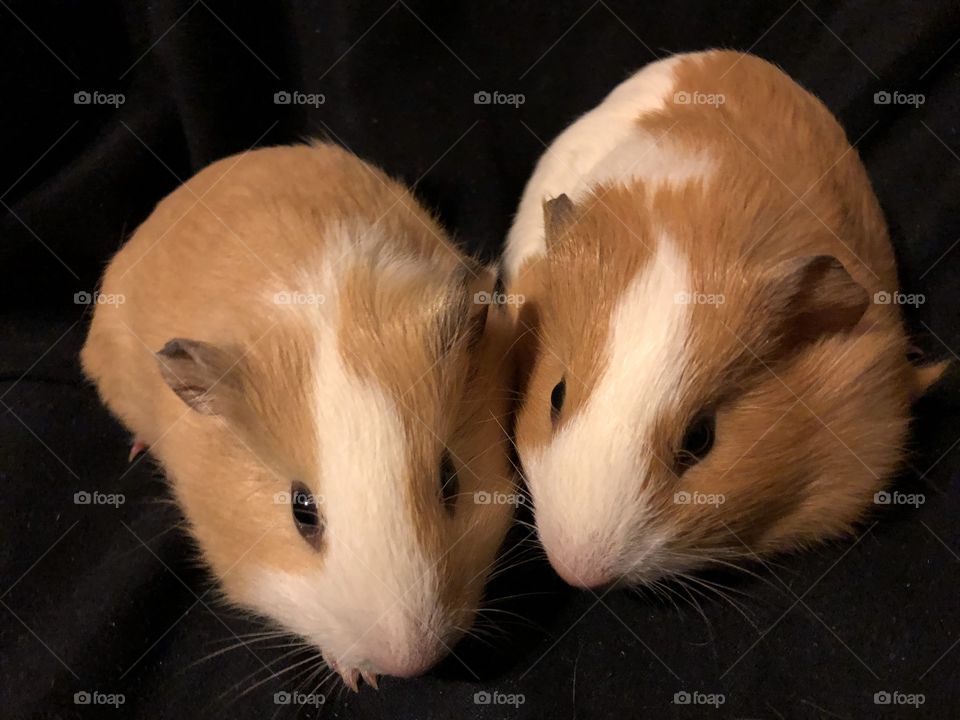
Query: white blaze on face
(589,485)
(373,591)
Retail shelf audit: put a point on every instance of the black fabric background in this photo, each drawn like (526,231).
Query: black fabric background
(113,600)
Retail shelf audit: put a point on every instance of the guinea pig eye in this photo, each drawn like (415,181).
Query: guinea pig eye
(449,482)
(556,399)
(697,440)
(306,514)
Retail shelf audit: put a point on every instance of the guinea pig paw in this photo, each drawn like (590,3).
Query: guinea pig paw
(138,447)
(370,678)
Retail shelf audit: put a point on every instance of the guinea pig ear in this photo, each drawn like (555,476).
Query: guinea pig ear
(558,213)
(814,296)
(200,374)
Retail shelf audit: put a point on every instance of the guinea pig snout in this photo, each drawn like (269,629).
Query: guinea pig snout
(405,642)
(583,565)
(406,658)
(405,665)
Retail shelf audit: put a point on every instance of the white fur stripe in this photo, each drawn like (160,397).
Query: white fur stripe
(588,484)
(373,589)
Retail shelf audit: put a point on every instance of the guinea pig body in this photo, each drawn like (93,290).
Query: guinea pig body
(299,350)
(718,370)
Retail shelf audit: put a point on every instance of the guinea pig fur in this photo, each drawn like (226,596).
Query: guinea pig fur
(717,370)
(300,349)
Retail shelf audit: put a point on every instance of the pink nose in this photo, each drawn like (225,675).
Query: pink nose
(583,570)
(404,669)
(408,666)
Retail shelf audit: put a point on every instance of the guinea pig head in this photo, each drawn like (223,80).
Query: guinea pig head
(690,406)
(330,465)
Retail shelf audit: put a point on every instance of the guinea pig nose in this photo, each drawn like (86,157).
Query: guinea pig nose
(404,667)
(583,570)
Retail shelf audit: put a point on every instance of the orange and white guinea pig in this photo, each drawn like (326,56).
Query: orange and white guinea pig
(717,369)
(299,347)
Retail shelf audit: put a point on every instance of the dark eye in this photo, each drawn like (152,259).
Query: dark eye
(449,482)
(697,440)
(556,399)
(306,514)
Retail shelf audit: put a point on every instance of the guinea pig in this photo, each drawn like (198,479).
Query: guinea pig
(300,349)
(719,367)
